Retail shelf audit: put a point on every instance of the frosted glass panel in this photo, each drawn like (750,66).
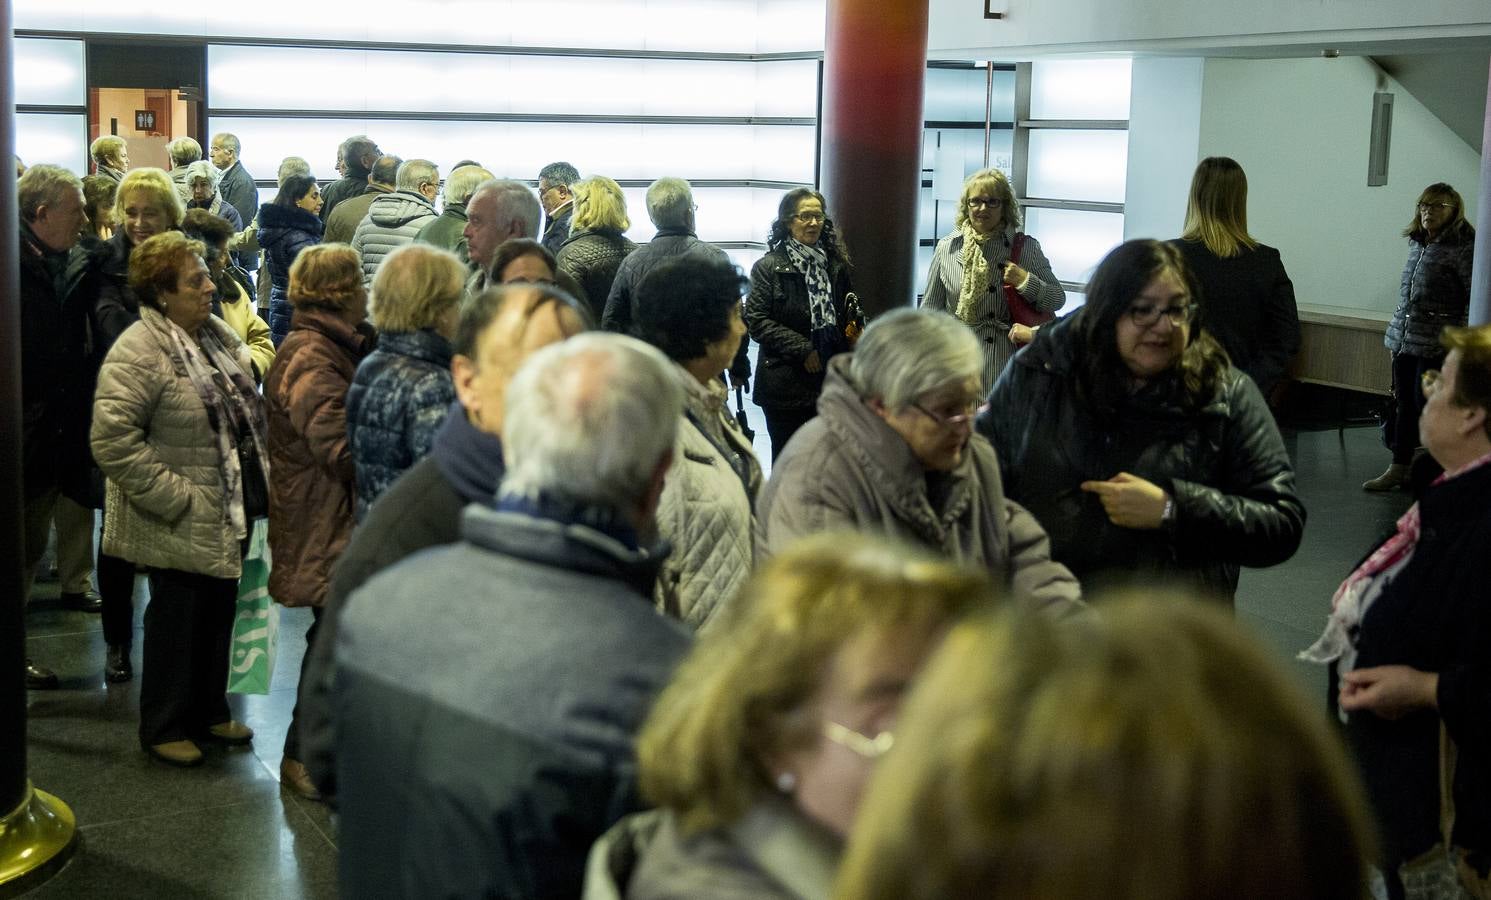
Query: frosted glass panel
(519,150)
(49,73)
(1074,241)
(58,140)
(958,95)
(1080,89)
(1078,165)
(322,79)
(745,258)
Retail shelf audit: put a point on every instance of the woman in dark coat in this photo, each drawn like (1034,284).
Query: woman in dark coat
(1151,458)
(797,311)
(1247,297)
(596,245)
(287,226)
(1434,294)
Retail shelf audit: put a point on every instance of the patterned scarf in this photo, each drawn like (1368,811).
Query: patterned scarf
(235,411)
(812,262)
(976,273)
(1351,600)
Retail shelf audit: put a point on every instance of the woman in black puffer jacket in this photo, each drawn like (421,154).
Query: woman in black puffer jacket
(1435,293)
(596,245)
(1126,432)
(287,226)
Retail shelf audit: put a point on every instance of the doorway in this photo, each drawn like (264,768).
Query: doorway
(147,94)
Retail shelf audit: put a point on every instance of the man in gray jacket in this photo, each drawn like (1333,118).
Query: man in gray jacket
(488,692)
(394,219)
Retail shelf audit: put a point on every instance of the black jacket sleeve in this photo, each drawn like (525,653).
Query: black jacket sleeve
(1279,341)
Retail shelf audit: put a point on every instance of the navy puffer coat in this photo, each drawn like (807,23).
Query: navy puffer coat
(1435,292)
(284,231)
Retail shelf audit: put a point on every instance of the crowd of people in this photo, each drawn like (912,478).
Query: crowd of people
(971,637)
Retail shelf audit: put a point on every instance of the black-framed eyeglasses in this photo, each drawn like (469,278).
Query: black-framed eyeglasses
(809,218)
(968,414)
(982,202)
(1145,315)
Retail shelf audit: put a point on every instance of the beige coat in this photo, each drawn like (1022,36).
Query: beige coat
(164,501)
(705,509)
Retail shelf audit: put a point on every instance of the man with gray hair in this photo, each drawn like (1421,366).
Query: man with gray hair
(183,152)
(342,224)
(447,231)
(440,659)
(355,158)
(556,183)
(237,187)
(893,452)
(394,219)
(498,210)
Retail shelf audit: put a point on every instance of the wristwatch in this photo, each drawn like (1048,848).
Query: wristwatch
(1167,518)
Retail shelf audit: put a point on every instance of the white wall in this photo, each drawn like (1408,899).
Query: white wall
(1164,139)
(1299,127)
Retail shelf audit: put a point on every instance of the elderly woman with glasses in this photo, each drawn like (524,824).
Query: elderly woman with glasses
(1129,435)
(757,752)
(893,451)
(991,275)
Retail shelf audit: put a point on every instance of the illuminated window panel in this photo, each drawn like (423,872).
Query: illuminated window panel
(959,95)
(303,78)
(1078,165)
(745,257)
(520,149)
(48,73)
(923,265)
(52,138)
(1080,89)
(1075,241)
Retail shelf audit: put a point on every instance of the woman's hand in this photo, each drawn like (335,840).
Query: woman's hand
(1020,335)
(1389,691)
(1130,501)
(813,364)
(1014,276)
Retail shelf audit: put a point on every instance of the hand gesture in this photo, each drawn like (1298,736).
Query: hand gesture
(1130,501)
(1014,276)
(1389,691)
(1020,335)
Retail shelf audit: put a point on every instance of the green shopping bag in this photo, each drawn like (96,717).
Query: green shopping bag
(256,622)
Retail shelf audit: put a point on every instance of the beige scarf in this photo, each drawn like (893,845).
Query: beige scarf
(976,273)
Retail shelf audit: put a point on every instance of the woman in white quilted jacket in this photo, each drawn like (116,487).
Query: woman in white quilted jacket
(179,429)
(689,308)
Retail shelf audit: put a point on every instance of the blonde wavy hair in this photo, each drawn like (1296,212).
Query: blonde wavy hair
(417,286)
(1153,751)
(157,186)
(599,203)
(993,183)
(734,702)
(326,277)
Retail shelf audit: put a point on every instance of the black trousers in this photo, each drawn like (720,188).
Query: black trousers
(782,423)
(292,737)
(116,587)
(1401,429)
(188,632)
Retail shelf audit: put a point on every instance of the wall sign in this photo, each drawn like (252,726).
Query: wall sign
(144,120)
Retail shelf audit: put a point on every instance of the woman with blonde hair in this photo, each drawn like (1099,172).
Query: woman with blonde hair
(1154,752)
(402,390)
(991,275)
(758,750)
(1246,296)
(596,245)
(311,497)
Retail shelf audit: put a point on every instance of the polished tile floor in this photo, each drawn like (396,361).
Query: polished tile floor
(227,830)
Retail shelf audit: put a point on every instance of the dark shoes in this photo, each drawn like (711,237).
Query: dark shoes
(88,602)
(118,669)
(177,753)
(294,777)
(39,678)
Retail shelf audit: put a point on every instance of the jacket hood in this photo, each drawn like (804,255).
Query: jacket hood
(277,223)
(399,209)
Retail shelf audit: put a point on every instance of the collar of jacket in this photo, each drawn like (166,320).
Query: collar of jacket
(609,235)
(782,264)
(566,546)
(33,251)
(425,344)
(455,211)
(273,216)
(675,232)
(357,340)
(469,458)
(375,188)
(885,455)
(400,206)
(1455,503)
(797,854)
(155,322)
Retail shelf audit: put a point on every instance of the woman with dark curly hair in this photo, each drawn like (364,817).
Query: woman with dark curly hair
(797,311)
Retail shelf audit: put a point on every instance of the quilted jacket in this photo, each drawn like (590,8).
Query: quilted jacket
(847,469)
(311,494)
(1435,292)
(398,399)
(705,509)
(780,320)
(284,231)
(592,258)
(392,221)
(164,503)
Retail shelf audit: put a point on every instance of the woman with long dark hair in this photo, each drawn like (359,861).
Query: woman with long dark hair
(287,226)
(797,311)
(1151,457)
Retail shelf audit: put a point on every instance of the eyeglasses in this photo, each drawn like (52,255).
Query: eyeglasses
(982,202)
(1425,207)
(809,218)
(1429,382)
(1146,315)
(970,412)
(860,744)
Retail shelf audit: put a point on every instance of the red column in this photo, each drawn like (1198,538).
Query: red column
(1480,281)
(873,70)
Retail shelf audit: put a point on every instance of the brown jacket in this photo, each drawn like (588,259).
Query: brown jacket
(311,491)
(847,469)
(164,502)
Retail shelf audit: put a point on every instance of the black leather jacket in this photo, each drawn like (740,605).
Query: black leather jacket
(1224,465)
(779,318)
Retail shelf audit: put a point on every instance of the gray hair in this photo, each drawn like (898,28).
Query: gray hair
(589,419)
(228,140)
(909,352)
(415,172)
(560,173)
(184,151)
(202,169)
(44,185)
(105,148)
(385,170)
(515,200)
(463,182)
(669,202)
(292,165)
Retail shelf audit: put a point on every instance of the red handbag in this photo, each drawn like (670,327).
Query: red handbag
(1021,312)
